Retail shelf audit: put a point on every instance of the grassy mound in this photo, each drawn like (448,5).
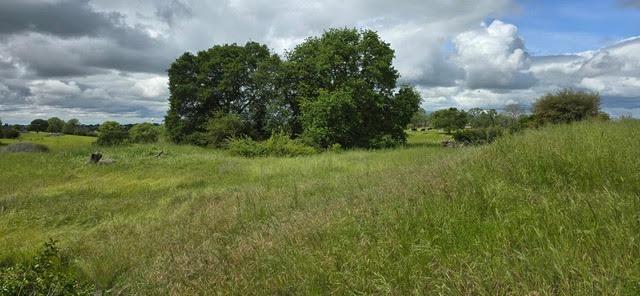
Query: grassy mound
(25,147)
(554,211)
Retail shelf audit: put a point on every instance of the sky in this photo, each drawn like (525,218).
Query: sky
(99,60)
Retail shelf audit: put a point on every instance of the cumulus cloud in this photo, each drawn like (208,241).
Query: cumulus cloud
(499,71)
(494,57)
(611,71)
(101,59)
(115,52)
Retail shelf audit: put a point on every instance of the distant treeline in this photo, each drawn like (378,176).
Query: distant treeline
(477,126)
(53,125)
(56,125)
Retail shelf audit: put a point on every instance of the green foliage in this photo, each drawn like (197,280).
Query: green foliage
(420,119)
(111,133)
(144,133)
(480,118)
(566,106)
(71,127)
(229,79)
(449,119)
(7,132)
(335,148)
(351,73)
(478,136)
(38,125)
(55,125)
(222,127)
(346,70)
(278,145)
(48,273)
(331,118)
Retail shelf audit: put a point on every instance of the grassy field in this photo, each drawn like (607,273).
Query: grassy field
(554,211)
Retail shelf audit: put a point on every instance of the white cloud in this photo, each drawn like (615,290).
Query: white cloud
(153,87)
(611,71)
(440,45)
(494,57)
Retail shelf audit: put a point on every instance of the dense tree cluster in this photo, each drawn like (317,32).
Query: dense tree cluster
(339,88)
(111,133)
(38,125)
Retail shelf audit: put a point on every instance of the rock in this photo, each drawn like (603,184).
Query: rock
(450,144)
(95,157)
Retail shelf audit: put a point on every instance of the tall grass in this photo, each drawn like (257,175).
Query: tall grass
(554,211)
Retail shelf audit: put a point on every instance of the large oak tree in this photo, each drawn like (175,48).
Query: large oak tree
(344,90)
(230,79)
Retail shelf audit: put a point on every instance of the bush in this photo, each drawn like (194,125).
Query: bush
(279,145)
(222,127)
(335,148)
(196,138)
(48,274)
(9,133)
(144,133)
(566,106)
(384,142)
(111,133)
(25,147)
(478,136)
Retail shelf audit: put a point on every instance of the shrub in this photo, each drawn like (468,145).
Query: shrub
(7,132)
(478,136)
(196,138)
(566,106)
(246,147)
(384,142)
(279,145)
(48,273)
(26,147)
(222,127)
(335,148)
(111,133)
(144,133)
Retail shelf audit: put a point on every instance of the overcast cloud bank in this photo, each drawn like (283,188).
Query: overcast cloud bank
(106,59)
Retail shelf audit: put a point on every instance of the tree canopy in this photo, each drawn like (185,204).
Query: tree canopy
(226,78)
(449,119)
(38,125)
(339,88)
(566,106)
(55,125)
(71,127)
(346,86)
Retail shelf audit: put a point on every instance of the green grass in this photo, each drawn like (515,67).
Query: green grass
(555,211)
